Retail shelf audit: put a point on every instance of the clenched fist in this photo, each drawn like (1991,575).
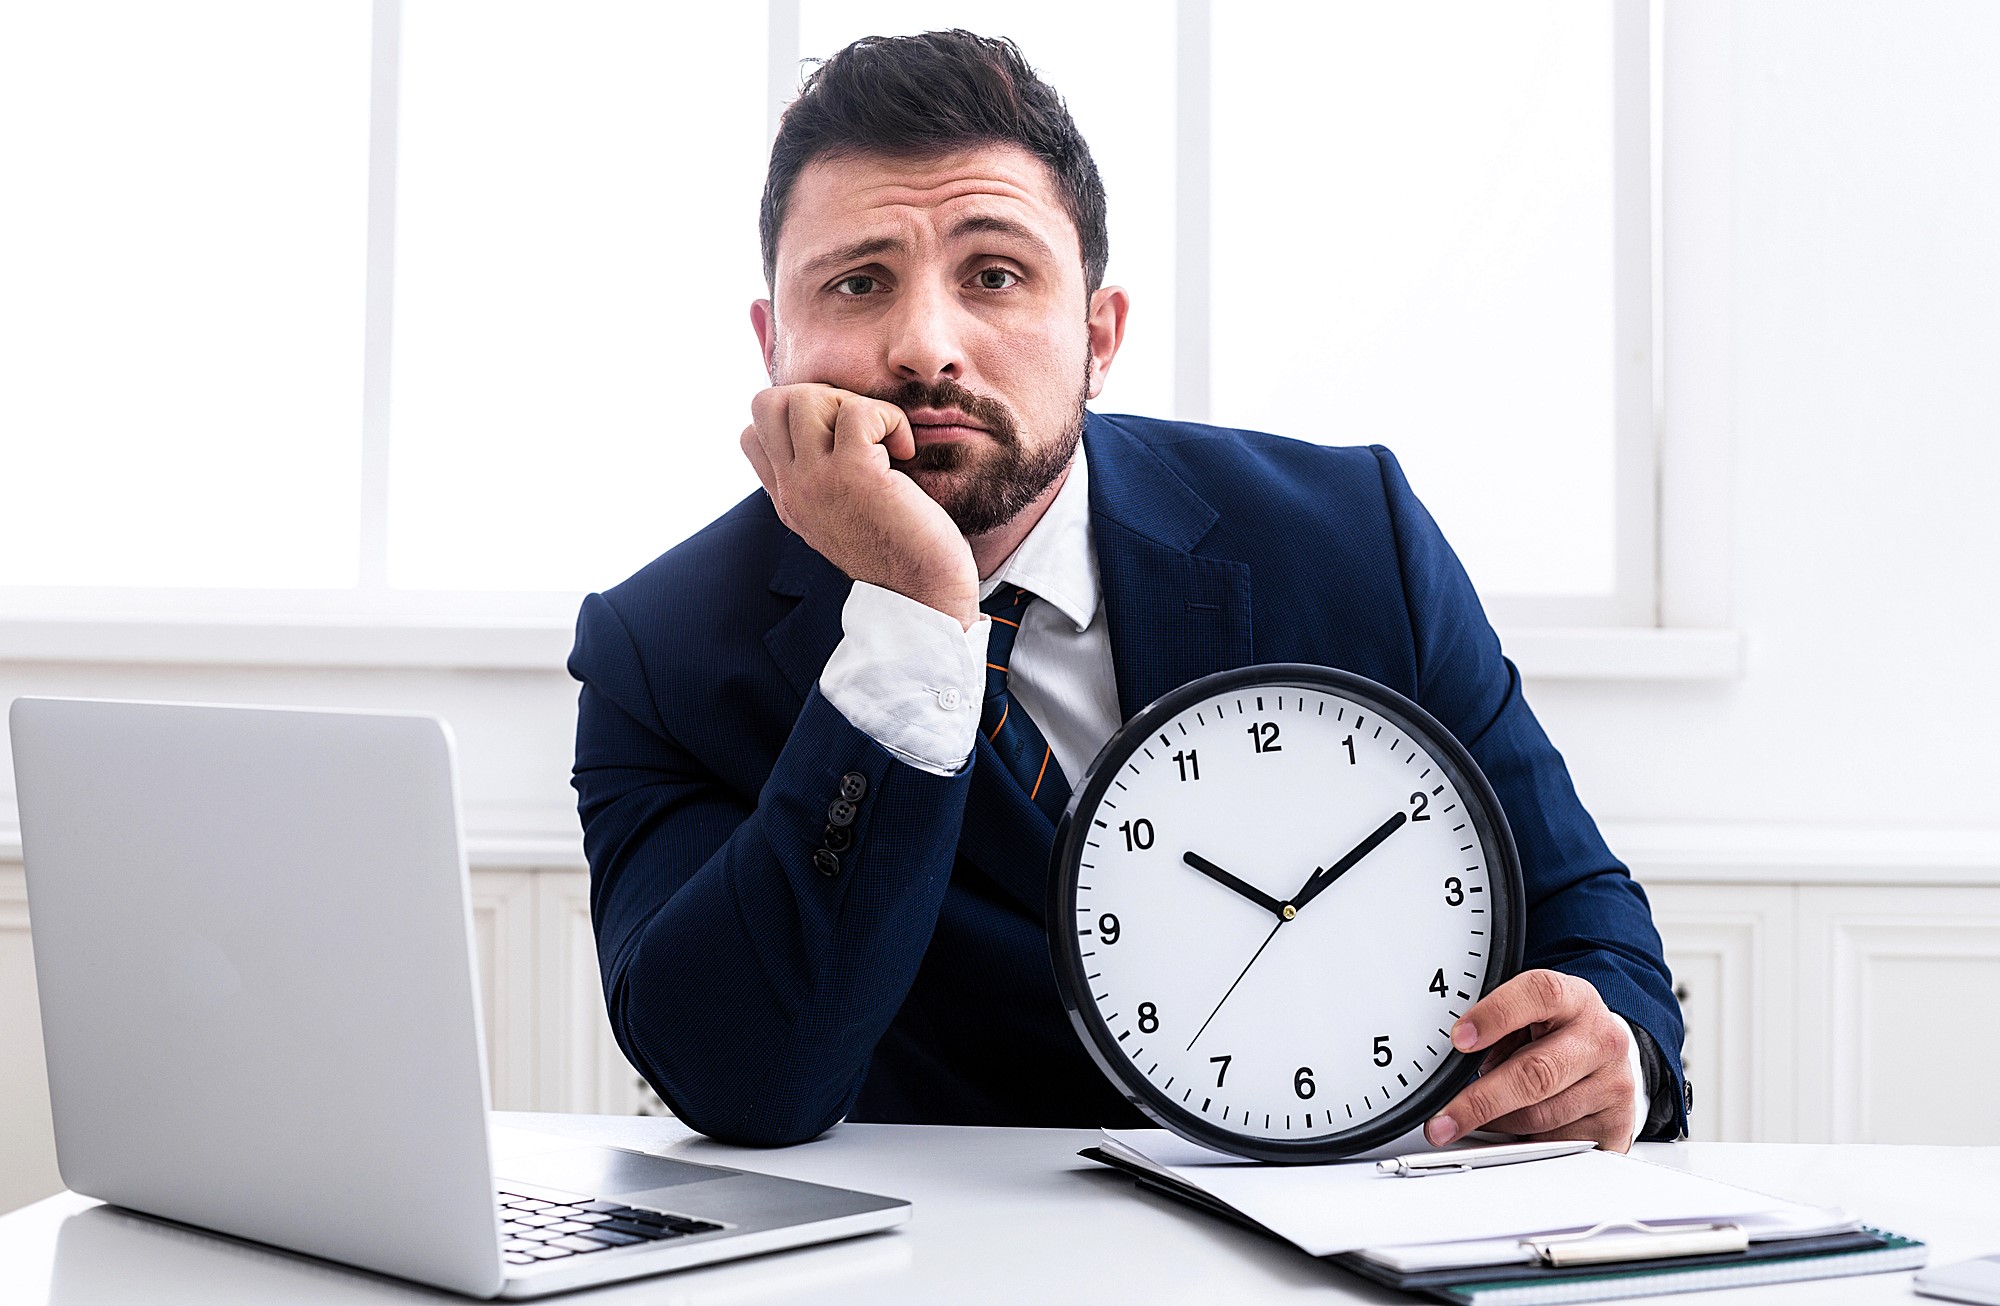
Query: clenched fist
(824,457)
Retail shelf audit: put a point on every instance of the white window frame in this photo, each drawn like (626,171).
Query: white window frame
(1667,619)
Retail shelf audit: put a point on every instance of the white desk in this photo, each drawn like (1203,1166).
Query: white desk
(1007,1215)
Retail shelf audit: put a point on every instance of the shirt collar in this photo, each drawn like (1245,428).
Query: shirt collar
(1055,562)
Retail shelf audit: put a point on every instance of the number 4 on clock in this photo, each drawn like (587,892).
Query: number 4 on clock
(1437,984)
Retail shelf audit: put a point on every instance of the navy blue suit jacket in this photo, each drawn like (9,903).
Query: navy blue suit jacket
(766,1000)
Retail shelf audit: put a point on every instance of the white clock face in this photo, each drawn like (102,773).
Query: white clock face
(1282,903)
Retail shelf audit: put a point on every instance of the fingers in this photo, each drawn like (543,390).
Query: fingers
(1537,1072)
(863,422)
(753,449)
(1530,998)
(1598,1107)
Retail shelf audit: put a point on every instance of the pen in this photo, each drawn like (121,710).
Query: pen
(1477,1158)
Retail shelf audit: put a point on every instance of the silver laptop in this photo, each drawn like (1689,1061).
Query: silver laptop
(254,947)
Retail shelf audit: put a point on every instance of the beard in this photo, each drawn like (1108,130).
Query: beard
(983,488)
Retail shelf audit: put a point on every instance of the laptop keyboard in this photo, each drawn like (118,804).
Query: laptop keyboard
(533,1229)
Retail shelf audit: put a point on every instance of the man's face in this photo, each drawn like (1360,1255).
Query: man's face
(952,288)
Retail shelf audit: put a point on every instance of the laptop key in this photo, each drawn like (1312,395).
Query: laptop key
(577,1243)
(528,1204)
(644,1217)
(543,1252)
(589,1217)
(645,1231)
(606,1207)
(693,1226)
(611,1237)
(517,1258)
(570,1226)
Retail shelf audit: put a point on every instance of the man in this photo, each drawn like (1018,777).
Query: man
(818,804)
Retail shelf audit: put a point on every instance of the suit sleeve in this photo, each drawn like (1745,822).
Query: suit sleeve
(1586,915)
(746,982)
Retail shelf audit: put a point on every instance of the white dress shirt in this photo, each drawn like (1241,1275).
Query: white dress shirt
(911,678)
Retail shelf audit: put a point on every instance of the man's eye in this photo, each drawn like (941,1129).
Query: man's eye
(854,285)
(996,279)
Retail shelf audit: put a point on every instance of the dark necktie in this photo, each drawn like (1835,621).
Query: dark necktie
(1023,749)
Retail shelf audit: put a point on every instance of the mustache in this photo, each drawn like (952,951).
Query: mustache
(989,412)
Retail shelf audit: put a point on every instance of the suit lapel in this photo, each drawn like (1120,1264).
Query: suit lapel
(805,638)
(1174,616)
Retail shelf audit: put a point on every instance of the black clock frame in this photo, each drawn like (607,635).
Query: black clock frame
(1496,840)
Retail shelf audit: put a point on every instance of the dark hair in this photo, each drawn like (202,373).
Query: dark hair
(924,96)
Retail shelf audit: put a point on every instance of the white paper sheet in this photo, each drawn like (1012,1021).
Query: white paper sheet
(1350,1205)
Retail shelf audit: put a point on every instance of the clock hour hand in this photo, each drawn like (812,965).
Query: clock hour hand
(1279,909)
(1324,876)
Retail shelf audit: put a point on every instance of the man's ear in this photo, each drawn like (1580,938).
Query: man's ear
(766,324)
(1106,326)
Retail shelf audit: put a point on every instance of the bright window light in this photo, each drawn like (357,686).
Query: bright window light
(182,251)
(1412,227)
(576,254)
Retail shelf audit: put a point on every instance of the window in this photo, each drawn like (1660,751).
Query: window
(440,307)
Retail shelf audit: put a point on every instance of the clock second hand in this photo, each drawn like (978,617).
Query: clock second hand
(1315,882)
(1239,979)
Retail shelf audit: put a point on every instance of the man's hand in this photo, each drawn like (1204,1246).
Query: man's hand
(823,455)
(1556,1065)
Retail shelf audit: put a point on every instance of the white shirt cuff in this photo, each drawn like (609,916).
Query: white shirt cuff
(909,677)
(1642,1101)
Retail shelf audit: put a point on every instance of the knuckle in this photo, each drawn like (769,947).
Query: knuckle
(1545,988)
(1541,1074)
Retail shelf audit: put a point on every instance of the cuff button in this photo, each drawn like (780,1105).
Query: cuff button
(826,863)
(839,838)
(853,786)
(840,812)
(948,698)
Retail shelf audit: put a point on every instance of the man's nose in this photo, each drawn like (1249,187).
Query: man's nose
(925,342)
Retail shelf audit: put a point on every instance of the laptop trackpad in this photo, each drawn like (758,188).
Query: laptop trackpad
(605,1171)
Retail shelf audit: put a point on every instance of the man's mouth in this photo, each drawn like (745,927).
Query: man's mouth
(934,424)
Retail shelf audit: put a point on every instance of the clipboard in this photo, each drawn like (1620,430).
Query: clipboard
(1576,1257)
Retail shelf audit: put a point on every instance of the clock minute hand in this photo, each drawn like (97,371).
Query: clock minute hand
(1242,887)
(1319,879)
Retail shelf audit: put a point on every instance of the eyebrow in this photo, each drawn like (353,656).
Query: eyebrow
(975,225)
(850,254)
(995,225)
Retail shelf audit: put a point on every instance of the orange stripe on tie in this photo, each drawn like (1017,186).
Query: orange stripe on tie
(1046,753)
(1003,621)
(994,666)
(1001,722)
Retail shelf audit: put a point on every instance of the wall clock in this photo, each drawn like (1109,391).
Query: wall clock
(1274,891)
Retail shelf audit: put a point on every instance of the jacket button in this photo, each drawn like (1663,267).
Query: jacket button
(826,863)
(840,812)
(853,786)
(839,838)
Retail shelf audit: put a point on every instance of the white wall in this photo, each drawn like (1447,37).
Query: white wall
(1864,416)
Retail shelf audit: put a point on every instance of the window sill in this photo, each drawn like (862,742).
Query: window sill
(1542,653)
